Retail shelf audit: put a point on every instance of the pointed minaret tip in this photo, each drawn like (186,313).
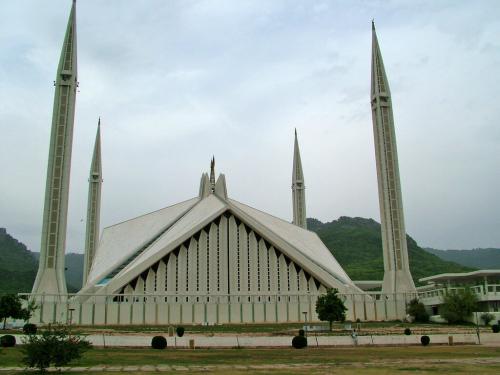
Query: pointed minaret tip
(373,24)
(298,192)
(212,174)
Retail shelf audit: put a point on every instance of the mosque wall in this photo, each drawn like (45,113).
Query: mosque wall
(162,309)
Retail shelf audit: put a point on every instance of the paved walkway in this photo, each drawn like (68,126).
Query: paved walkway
(202,341)
(302,367)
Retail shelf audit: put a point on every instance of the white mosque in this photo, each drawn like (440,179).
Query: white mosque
(210,259)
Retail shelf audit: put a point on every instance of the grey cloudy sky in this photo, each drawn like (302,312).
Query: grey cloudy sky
(177,81)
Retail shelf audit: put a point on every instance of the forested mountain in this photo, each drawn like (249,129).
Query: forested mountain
(18,266)
(477,258)
(357,245)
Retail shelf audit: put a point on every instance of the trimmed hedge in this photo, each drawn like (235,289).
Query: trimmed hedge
(30,329)
(180,331)
(159,342)
(425,340)
(495,328)
(407,331)
(7,341)
(299,342)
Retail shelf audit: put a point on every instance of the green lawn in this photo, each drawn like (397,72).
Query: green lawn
(366,356)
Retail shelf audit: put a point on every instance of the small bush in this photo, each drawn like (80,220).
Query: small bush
(425,340)
(487,318)
(29,329)
(7,341)
(495,328)
(301,332)
(55,345)
(159,342)
(407,331)
(417,310)
(299,342)
(180,331)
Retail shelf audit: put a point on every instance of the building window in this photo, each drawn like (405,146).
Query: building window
(208,261)
(268,272)
(258,268)
(197,266)
(187,269)
(248,261)
(238,258)
(218,260)
(177,273)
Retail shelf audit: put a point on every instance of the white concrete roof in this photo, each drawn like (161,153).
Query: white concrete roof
(118,242)
(196,218)
(307,242)
(163,231)
(460,276)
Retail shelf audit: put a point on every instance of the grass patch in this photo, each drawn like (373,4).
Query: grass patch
(311,356)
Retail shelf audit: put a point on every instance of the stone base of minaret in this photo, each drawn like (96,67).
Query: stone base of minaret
(398,282)
(48,283)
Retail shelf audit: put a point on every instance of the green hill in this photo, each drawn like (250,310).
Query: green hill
(357,245)
(17,265)
(74,270)
(478,258)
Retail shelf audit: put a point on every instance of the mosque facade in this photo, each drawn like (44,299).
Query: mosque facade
(209,259)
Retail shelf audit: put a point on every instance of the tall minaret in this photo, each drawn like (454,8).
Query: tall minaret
(93,206)
(298,188)
(397,277)
(50,278)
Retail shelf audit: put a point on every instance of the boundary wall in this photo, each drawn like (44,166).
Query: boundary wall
(147,309)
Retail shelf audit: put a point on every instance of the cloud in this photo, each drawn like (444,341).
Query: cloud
(176,82)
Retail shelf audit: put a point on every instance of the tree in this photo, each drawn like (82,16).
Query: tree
(11,307)
(330,307)
(457,307)
(55,345)
(417,311)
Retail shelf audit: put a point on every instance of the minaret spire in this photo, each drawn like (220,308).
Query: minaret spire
(397,276)
(212,174)
(298,188)
(93,206)
(50,278)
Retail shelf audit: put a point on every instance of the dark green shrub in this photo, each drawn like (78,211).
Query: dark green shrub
(495,328)
(29,329)
(299,342)
(487,318)
(417,311)
(457,307)
(180,331)
(425,340)
(407,331)
(7,341)
(55,345)
(159,342)
(302,332)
